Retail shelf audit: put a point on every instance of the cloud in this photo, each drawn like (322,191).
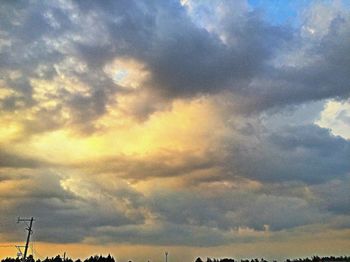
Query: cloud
(165,122)
(166,163)
(333,196)
(296,153)
(56,205)
(243,54)
(251,150)
(13,160)
(335,116)
(232,209)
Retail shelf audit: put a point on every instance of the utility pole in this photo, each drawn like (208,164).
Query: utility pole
(29,229)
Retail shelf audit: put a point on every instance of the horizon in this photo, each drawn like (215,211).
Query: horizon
(110,257)
(201,128)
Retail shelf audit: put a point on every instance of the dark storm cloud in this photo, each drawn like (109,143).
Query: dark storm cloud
(184,58)
(42,195)
(188,60)
(165,234)
(128,28)
(305,153)
(324,155)
(326,76)
(234,208)
(194,216)
(334,196)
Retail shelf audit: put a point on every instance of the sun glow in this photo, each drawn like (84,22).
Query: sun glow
(186,127)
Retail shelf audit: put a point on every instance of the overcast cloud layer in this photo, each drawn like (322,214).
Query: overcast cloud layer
(174,122)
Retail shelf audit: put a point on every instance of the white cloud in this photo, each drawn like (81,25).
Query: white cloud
(336,117)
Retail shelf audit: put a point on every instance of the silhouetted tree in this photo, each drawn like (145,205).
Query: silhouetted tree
(199,259)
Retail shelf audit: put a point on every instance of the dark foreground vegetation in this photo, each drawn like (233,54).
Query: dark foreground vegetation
(313,259)
(109,258)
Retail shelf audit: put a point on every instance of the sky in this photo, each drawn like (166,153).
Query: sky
(200,128)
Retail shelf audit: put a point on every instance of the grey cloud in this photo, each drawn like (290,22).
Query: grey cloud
(232,209)
(278,213)
(184,58)
(134,168)
(187,60)
(34,52)
(35,184)
(325,77)
(62,215)
(88,108)
(165,234)
(5,175)
(334,196)
(305,153)
(321,154)
(193,216)
(13,160)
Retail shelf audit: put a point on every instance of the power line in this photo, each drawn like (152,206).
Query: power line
(34,250)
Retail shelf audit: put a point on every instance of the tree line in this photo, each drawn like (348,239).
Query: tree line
(313,259)
(110,258)
(58,258)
